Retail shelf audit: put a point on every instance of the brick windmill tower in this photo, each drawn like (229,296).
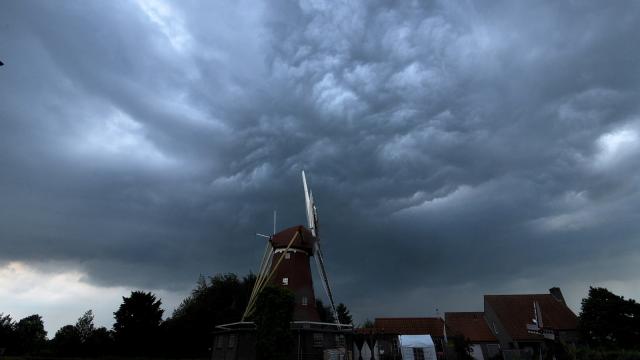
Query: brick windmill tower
(287,263)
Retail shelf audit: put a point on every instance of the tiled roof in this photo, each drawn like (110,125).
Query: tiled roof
(516,311)
(410,326)
(470,325)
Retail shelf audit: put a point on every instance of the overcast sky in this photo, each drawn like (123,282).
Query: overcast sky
(455,149)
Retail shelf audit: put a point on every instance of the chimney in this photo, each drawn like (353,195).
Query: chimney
(557,294)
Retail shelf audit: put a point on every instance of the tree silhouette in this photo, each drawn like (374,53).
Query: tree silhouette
(609,321)
(100,342)
(273,315)
(85,326)
(82,339)
(7,333)
(343,314)
(30,335)
(367,324)
(137,326)
(67,341)
(220,300)
(324,312)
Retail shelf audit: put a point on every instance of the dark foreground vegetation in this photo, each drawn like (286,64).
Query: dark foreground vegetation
(609,324)
(139,330)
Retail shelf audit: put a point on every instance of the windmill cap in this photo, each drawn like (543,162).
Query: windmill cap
(305,241)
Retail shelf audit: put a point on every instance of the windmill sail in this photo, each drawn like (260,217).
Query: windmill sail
(312,219)
(309,206)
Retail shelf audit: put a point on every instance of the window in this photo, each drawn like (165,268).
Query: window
(232,341)
(340,340)
(305,301)
(318,340)
(287,255)
(418,353)
(285,281)
(219,341)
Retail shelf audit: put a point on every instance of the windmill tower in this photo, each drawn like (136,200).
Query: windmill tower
(294,272)
(287,263)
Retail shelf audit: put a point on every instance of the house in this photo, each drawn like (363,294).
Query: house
(472,327)
(529,326)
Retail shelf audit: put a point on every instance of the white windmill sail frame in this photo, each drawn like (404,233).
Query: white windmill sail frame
(309,207)
(312,219)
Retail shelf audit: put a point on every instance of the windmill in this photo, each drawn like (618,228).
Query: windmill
(286,263)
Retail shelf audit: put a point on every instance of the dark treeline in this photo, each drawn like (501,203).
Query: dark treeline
(608,324)
(139,329)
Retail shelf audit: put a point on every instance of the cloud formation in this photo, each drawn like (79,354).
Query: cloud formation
(454,149)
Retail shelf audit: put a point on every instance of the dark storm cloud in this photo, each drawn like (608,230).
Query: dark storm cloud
(448,145)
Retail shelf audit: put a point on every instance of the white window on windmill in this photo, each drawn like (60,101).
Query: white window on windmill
(305,301)
(285,281)
(287,255)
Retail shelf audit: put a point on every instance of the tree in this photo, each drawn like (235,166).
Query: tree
(30,335)
(324,312)
(273,315)
(137,324)
(221,299)
(7,332)
(67,341)
(100,342)
(367,324)
(80,339)
(343,314)
(85,326)
(609,321)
